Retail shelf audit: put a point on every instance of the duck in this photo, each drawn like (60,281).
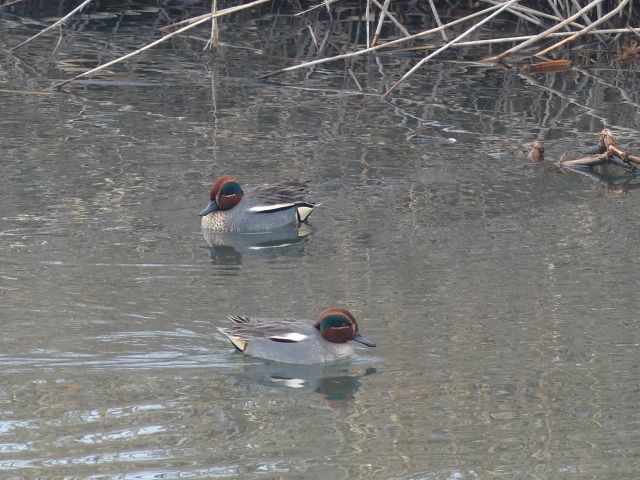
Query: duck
(536,151)
(255,208)
(298,341)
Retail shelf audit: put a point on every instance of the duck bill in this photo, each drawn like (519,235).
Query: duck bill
(212,207)
(359,338)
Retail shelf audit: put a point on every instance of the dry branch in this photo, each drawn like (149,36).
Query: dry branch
(59,22)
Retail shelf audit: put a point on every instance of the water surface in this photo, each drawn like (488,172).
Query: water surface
(502,294)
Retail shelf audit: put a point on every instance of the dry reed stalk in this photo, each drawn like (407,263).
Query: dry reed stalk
(585,17)
(386,12)
(522,12)
(437,18)
(25,92)
(9,4)
(551,35)
(584,30)
(206,18)
(59,22)
(555,18)
(367,22)
(503,7)
(554,7)
(357,83)
(214,40)
(383,12)
(187,21)
(313,37)
(378,47)
(545,33)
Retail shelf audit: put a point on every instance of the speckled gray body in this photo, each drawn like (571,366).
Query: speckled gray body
(241,219)
(313,349)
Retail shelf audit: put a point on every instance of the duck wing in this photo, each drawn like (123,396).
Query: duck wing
(283,192)
(285,330)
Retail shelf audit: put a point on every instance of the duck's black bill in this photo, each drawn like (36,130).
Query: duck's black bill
(359,338)
(212,207)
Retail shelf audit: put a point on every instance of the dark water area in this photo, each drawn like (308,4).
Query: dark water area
(501,293)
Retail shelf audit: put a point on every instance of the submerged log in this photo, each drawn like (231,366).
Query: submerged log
(592,161)
(624,156)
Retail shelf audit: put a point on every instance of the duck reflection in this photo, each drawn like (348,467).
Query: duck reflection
(226,248)
(333,383)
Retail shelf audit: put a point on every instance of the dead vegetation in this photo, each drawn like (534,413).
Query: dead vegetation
(553,27)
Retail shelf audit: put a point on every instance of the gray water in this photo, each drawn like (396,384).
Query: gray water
(502,295)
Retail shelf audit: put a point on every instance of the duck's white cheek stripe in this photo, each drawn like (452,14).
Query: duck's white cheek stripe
(289,337)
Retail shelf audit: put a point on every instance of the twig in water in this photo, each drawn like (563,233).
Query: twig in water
(55,49)
(357,83)
(59,22)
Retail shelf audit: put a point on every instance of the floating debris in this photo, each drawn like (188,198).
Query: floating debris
(417,138)
(608,152)
(630,53)
(552,66)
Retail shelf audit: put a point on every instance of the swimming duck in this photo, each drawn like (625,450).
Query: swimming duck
(291,340)
(536,151)
(256,208)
